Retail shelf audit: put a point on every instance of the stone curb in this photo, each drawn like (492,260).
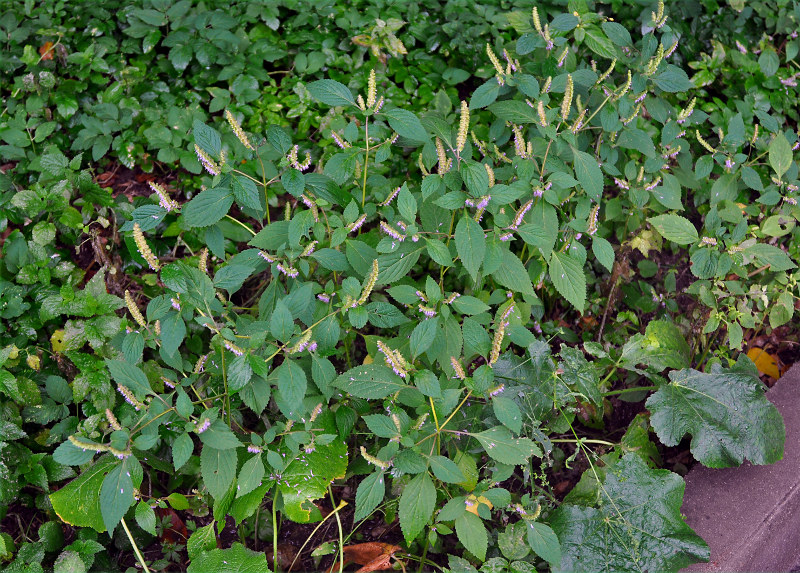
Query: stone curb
(750,515)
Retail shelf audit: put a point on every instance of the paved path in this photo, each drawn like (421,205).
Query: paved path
(750,516)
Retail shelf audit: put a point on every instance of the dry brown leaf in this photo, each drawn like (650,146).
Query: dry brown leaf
(46,51)
(374,556)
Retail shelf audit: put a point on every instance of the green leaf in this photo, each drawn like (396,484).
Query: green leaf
(416,506)
(673,80)
(202,539)
(580,374)
(504,448)
(661,346)
(514,111)
(281,323)
(292,384)
(245,192)
(237,559)
(173,331)
(369,495)
(116,493)
(769,62)
(307,478)
(129,376)
(637,140)
(617,33)
(250,476)
(208,207)
(178,501)
(475,177)
(407,125)
(219,436)
(293,181)
(78,502)
(603,251)
(182,449)
(470,244)
(588,174)
(423,335)
(568,278)
(439,252)
(675,228)
(597,42)
(472,534)
(446,469)
(638,526)
(725,412)
(369,381)
(486,94)
(145,517)
(780,154)
(207,138)
(512,274)
(218,469)
(508,413)
(544,542)
(331,92)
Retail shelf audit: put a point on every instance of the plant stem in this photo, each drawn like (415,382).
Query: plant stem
(366,162)
(583,440)
(135,547)
(238,222)
(341,505)
(274,531)
(341,533)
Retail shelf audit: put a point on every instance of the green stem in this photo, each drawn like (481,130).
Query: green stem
(135,547)
(341,505)
(274,531)
(583,440)
(341,532)
(627,390)
(238,222)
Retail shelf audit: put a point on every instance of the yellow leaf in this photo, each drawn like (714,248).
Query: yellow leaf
(473,502)
(765,362)
(57,341)
(368,359)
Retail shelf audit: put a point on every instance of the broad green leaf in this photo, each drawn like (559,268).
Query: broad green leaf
(599,43)
(182,449)
(512,274)
(588,174)
(178,501)
(446,469)
(604,252)
(514,111)
(673,79)
(208,207)
(423,335)
(725,412)
(78,502)
(331,92)
(580,374)
(485,95)
(237,559)
(292,384)
(568,278)
(675,228)
(508,413)
(470,244)
(370,381)
(637,527)
(770,255)
(202,539)
(308,476)
(407,125)
(661,346)
(231,277)
(129,376)
(245,192)
(439,252)
(396,265)
(281,323)
(544,542)
(472,534)
(218,468)
(116,493)
(219,436)
(145,517)
(369,495)
(769,62)
(475,177)
(250,475)
(617,33)
(638,140)
(503,447)
(416,506)
(173,331)
(207,138)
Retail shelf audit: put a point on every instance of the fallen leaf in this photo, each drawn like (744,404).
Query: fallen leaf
(374,556)
(765,362)
(473,502)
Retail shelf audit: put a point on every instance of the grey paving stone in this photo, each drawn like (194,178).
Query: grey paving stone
(750,516)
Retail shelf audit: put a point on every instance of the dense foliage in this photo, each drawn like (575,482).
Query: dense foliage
(387,262)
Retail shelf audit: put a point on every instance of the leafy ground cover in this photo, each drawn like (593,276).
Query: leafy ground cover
(446,285)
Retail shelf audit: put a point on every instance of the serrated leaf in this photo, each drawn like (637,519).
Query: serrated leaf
(129,376)
(218,469)
(446,469)
(568,278)
(544,542)
(770,255)
(369,495)
(331,92)
(673,80)
(514,111)
(245,192)
(725,412)
(250,476)
(307,478)
(439,252)
(207,138)
(369,381)
(237,559)
(116,493)
(416,506)
(675,228)
(604,252)
(208,207)
(182,449)
(780,154)
(281,323)
(423,335)
(588,174)
(202,539)
(145,517)
(485,94)
(407,125)
(78,502)
(638,526)
(292,384)
(512,274)
(617,33)
(470,244)
(508,413)
(661,346)
(472,534)
(503,447)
